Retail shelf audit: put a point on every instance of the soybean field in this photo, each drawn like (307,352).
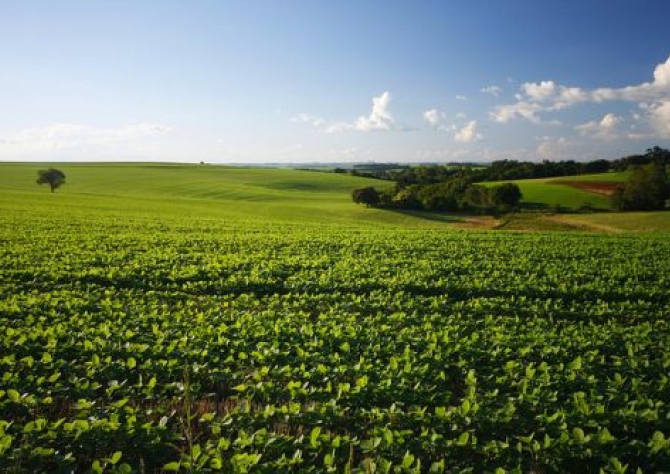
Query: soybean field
(145,333)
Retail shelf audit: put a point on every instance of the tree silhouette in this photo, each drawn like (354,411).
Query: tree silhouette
(53,177)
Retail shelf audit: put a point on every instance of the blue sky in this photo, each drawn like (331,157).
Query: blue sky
(332,81)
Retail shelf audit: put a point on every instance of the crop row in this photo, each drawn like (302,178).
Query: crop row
(132,346)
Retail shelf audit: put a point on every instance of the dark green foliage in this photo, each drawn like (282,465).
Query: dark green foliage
(657,155)
(476,198)
(407,198)
(506,196)
(456,195)
(505,170)
(443,196)
(647,189)
(53,177)
(368,196)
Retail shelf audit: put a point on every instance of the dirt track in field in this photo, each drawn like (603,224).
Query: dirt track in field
(604,188)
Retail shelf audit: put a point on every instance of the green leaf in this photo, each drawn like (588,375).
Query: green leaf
(195,452)
(576,364)
(437,467)
(407,460)
(314,437)
(13,395)
(96,467)
(604,436)
(658,442)
(131,363)
(463,439)
(465,407)
(388,436)
(116,457)
(124,468)
(172,466)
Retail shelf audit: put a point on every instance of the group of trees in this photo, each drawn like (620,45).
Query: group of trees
(655,155)
(453,188)
(647,189)
(450,196)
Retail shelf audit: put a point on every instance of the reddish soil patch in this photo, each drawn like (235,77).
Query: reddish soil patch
(478,222)
(606,188)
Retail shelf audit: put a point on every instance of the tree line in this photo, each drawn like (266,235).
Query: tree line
(505,170)
(454,188)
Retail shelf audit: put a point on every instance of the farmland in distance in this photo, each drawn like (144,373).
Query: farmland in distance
(165,318)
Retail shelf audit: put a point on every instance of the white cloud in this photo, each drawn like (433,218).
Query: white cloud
(495,91)
(521,109)
(468,133)
(659,117)
(380,118)
(461,97)
(536,98)
(433,117)
(605,129)
(539,91)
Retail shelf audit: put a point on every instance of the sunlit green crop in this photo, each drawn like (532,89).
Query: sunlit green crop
(177,343)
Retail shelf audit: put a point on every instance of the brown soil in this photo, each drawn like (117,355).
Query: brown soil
(605,188)
(478,222)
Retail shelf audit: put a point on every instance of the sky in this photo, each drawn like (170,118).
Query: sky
(296,81)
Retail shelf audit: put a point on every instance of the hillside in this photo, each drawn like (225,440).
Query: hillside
(159,318)
(568,193)
(214,192)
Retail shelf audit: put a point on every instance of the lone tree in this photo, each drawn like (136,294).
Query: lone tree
(53,177)
(368,196)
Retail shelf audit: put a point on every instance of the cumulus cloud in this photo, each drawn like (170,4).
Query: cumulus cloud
(467,133)
(536,98)
(495,91)
(539,91)
(659,117)
(433,117)
(380,118)
(605,129)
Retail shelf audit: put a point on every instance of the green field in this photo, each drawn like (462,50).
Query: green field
(214,192)
(162,318)
(546,194)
